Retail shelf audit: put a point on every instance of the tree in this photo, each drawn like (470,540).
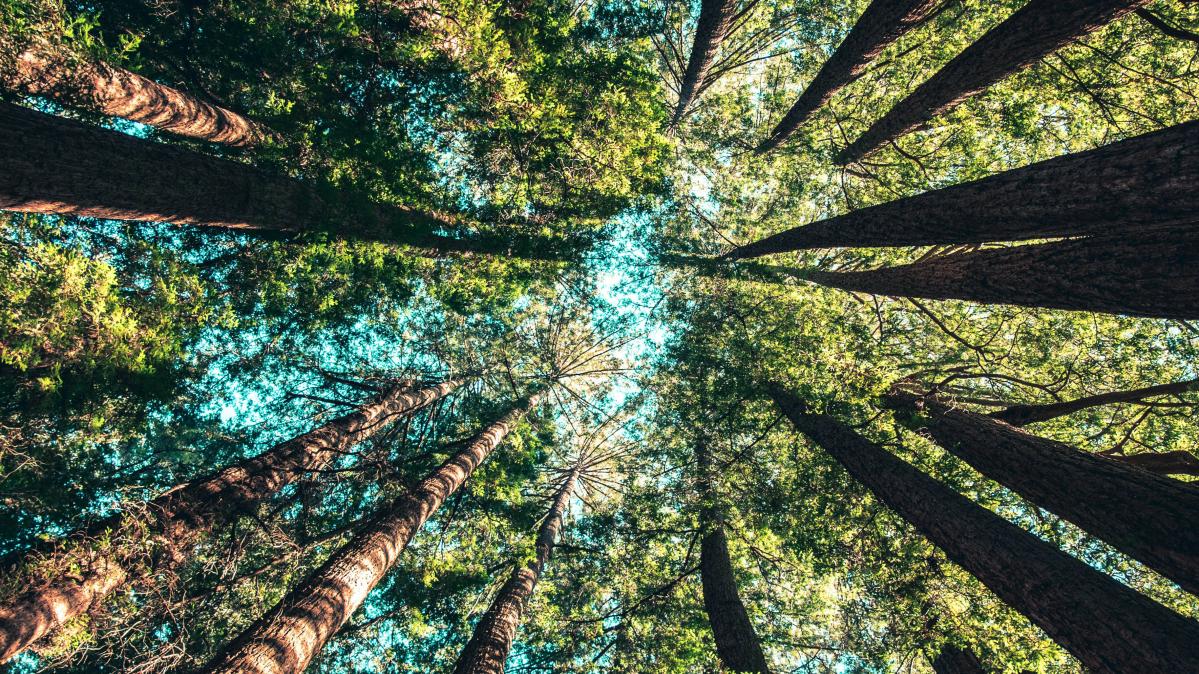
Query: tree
(954,660)
(1106,625)
(1124,188)
(487,650)
(1022,415)
(883,22)
(1034,31)
(1144,515)
(288,636)
(178,518)
(716,18)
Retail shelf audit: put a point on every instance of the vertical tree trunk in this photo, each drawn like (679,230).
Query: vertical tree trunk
(1122,188)
(1146,516)
(1108,626)
(1150,275)
(179,518)
(883,22)
(1034,31)
(488,648)
(715,20)
(954,660)
(120,93)
(737,644)
(1022,415)
(287,638)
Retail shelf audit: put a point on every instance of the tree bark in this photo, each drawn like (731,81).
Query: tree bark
(489,645)
(294,631)
(715,20)
(1022,415)
(1032,32)
(1153,275)
(174,522)
(1123,188)
(954,660)
(1144,515)
(883,22)
(737,644)
(1108,626)
(53,165)
(117,92)
(1178,462)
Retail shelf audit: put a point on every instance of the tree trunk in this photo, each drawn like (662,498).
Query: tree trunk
(1108,626)
(1123,188)
(715,20)
(1153,275)
(53,165)
(1022,415)
(1146,516)
(737,644)
(954,660)
(883,22)
(1032,32)
(294,631)
(175,521)
(488,648)
(1178,462)
(120,93)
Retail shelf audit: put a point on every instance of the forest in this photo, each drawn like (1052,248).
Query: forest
(582,336)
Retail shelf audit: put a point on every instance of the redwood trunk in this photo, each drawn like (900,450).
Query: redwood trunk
(715,20)
(1178,462)
(1022,415)
(1130,186)
(883,22)
(954,660)
(1031,33)
(294,631)
(1144,515)
(120,93)
(1108,626)
(488,648)
(180,517)
(1153,275)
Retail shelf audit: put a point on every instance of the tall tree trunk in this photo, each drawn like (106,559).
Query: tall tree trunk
(1032,32)
(1178,462)
(175,521)
(1123,188)
(488,648)
(715,20)
(120,93)
(883,22)
(737,644)
(954,660)
(1022,415)
(1111,628)
(294,631)
(1152,275)
(1146,516)
(53,165)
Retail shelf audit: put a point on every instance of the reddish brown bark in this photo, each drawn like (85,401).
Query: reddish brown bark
(175,521)
(883,22)
(715,20)
(1150,275)
(1108,626)
(954,660)
(1022,415)
(287,638)
(1032,32)
(120,93)
(1144,515)
(1136,184)
(489,645)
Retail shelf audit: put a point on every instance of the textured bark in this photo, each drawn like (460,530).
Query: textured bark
(120,93)
(53,165)
(883,22)
(1152,275)
(1178,462)
(737,644)
(1032,32)
(715,20)
(1022,415)
(1133,185)
(954,660)
(1144,515)
(294,631)
(488,648)
(175,521)
(1108,626)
